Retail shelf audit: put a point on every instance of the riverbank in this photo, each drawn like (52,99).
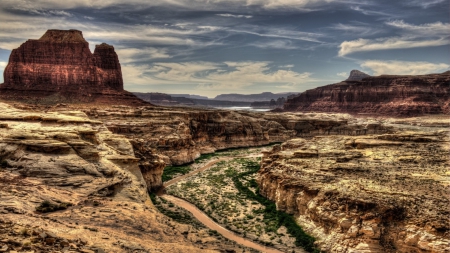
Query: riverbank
(216,191)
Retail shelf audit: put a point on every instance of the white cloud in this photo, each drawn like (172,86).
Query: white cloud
(281,33)
(213,76)
(60,13)
(278,44)
(361,45)
(365,29)
(425,4)
(404,67)
(369,12)
(299,4)
(194,4)
(234,16)
(343,74)
(411,36)
(128,55)
(430,29)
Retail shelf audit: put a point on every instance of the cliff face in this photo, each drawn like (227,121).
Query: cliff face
(59,67)
(66,161)
(374,193)
(163,136)
(382,95)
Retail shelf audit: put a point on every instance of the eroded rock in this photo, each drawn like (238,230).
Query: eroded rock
(362,194)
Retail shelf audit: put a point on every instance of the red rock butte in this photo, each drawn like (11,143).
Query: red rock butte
(378,95)
(59,67)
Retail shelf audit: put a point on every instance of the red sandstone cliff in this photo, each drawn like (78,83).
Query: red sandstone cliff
(384,95)
(59,67)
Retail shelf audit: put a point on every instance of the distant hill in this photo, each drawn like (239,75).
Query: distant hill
(265,96)
(168,100)
(188,96)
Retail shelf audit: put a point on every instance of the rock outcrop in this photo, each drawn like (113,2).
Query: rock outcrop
(59,67)
(381,95)
(356,75)
(69,184)
(373,193)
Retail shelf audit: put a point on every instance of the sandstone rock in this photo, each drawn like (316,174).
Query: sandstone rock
(59,67)
(381,95)
(364,200)
(112,180)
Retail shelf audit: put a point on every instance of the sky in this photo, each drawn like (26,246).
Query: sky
(211,47)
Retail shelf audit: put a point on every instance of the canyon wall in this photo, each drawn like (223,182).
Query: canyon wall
(178,136)
(372,193)
(59,67)
(68,183)
(381,95)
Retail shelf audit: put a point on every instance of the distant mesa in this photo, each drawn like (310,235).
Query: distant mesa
(378,95)
(59,67)
(265,100)
(356,75)
(265,96)
(188,96)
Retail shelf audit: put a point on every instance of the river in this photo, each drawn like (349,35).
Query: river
(205,219)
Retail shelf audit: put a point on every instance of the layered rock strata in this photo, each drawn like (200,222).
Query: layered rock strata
(383,95)
(178,136)
(374,193)
(59,67)
(69,184)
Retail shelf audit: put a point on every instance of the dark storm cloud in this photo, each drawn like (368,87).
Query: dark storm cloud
(241,46)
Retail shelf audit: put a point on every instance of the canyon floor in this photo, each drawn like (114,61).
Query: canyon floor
(75,179)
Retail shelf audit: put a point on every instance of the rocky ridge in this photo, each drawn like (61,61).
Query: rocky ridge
(373,193)
(381,95)
(59,67)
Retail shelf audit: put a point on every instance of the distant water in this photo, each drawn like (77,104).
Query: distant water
(243,108)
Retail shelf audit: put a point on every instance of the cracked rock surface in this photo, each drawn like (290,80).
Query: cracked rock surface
(372,193)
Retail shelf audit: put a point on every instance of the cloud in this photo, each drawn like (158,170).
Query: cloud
(369,12)
(430,29)
(234,16)
(404,67)
(411,36)
(60,13)
(189,4)
(362,45)
(365,29)
(343,74)
(213,76)
(128,55)
(278,44)
(279,33)
(424,4)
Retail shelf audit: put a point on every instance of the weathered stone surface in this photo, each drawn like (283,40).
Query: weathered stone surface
(178,136)
(374,193)
(73,159)
(383,95)
(59,67)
